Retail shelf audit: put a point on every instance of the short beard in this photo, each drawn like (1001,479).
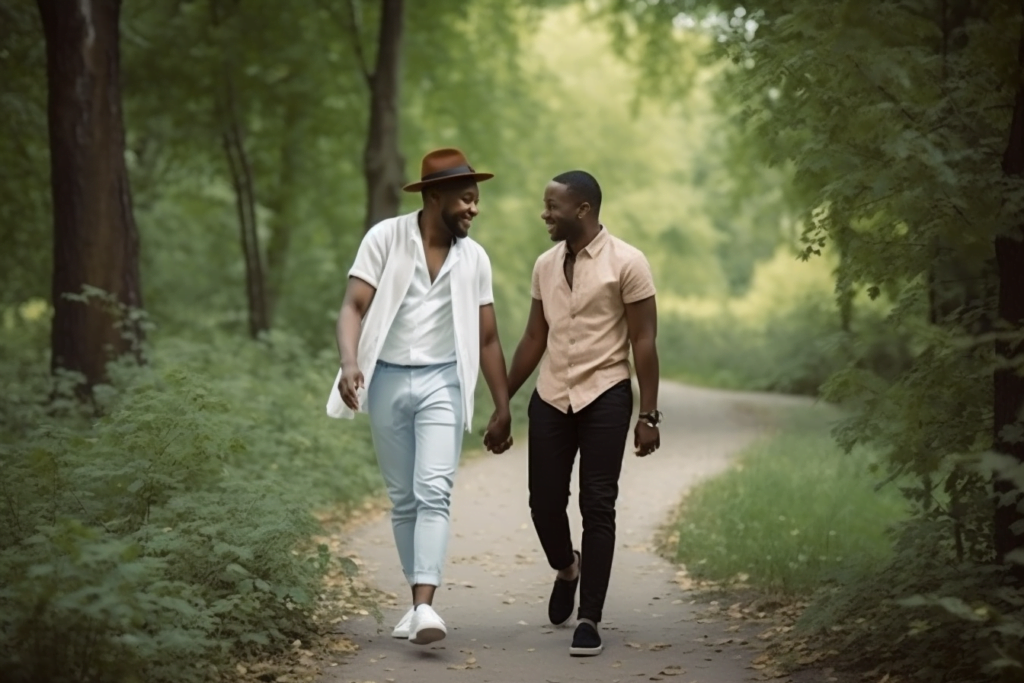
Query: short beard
(452,223)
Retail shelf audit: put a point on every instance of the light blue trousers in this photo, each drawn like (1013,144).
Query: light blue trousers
(416,422)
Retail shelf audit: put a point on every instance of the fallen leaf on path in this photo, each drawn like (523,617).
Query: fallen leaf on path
(658,647)
(635,646)
(672,671)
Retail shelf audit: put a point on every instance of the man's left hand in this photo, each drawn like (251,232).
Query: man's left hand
(498,437)
(646,439)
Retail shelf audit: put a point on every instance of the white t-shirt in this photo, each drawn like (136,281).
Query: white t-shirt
(423,332)
(387,260)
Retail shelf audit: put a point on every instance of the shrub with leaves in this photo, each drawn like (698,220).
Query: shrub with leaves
(173,531)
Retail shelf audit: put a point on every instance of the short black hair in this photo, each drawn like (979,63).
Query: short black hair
(584,186)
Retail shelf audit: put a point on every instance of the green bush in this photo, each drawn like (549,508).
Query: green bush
(172,532)
(795,514)
(784,334)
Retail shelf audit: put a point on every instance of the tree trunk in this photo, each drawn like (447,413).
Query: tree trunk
(382,160)
(283,206)
(96,242)
(245,203)
(1008,383)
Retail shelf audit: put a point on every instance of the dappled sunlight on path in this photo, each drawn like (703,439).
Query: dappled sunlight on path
(497,583)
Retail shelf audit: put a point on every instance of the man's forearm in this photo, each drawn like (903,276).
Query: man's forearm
(645,356)
(350,325)
(492,364)
(524,362)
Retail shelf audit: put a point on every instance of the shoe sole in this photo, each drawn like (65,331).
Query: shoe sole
(402,636)
(427,635)
(586,651)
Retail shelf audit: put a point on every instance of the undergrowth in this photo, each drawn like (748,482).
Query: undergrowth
(164,531)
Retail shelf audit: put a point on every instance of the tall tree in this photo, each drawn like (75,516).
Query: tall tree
(231,119)
(1008,382)
(96,242)
(383,164)
(243,183)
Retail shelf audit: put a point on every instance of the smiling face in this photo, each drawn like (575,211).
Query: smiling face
(563,212)
(459,204)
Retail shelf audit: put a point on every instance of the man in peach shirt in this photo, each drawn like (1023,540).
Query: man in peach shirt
(593,298)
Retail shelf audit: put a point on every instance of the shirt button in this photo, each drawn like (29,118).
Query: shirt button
(572,341)
(573,316)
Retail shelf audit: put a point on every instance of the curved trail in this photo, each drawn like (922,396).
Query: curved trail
(496,586)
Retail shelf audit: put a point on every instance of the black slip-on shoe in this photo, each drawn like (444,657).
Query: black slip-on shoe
(586,642)
(563,596)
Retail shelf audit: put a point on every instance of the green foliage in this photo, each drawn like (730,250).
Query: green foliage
(894,116)
(25,229)
(783,334)
(795,514)
(171,533)
(925,615)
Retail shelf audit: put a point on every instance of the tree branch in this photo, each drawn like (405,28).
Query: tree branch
(352,25)
(881,89)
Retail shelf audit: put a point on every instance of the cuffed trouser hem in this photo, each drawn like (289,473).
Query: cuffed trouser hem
(424,579)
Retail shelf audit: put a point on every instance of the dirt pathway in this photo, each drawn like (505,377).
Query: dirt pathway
(497,582)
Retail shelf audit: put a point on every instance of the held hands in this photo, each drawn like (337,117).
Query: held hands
(646,439)
(498,437)
(350,383)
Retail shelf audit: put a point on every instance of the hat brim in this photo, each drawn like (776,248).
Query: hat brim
(419,185)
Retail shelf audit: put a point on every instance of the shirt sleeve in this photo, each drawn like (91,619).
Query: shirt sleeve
(485,291)
(370,258)
(636,279)
(535,282)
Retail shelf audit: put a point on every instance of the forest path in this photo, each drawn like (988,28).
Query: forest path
(497,581)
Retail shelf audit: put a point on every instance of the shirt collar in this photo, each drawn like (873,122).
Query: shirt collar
(416,238)
(595,246)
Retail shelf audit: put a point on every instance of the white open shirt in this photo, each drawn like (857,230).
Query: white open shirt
(387,260)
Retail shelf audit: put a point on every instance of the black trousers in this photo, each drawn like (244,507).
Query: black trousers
(599,433)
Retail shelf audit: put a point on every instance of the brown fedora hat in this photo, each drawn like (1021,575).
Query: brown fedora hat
(442,165)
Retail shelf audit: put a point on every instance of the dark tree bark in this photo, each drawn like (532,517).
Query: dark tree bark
(231,122)
(245,203)
(383,164)
(96,242)
(1008,383)
(283,206)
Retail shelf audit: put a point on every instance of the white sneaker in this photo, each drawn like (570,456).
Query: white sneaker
(426,626)
(402,628)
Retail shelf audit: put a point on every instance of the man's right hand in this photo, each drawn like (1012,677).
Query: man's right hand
(351,381)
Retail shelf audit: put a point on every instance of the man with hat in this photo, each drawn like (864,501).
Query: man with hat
(416,327)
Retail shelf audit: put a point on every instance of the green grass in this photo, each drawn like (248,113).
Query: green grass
(795,513)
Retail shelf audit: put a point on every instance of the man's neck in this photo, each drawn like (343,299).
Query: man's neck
(586,236)
(433,231)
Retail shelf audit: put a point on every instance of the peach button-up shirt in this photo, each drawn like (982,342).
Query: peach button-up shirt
(588,341)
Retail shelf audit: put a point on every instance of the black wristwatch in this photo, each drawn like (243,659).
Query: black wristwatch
(652,418)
